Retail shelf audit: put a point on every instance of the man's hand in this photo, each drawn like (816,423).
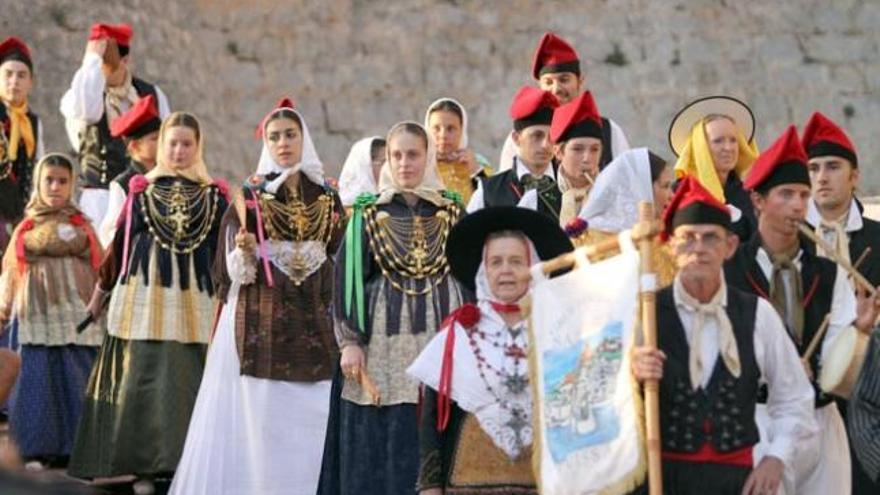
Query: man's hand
(866,311)
(468,157)
(647,364)
(765,478)
(98,47)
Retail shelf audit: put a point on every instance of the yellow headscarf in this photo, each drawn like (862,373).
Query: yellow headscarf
(197,172)
(20,129)
(696,160)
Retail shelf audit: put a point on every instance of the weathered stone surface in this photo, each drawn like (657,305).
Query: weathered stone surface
(357,66)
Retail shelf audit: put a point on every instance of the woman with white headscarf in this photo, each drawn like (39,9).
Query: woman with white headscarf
(460,168)
(157,275)
(393,291)
(634,176)
(476,417)
(360,172)
(261,415)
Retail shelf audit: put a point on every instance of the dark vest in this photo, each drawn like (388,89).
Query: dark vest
(101,156)
(15,186)
(134,168)
(817,279)
(859,240)
(505,189)
(734,194)
(722,414)
(607,152)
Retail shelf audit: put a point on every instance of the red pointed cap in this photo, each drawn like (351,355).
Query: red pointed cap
(822,137)
(784,162)
(532,106)
(693,204)
(577,118)
(554,54)
(140,120)
(285,102)
(122,33)
(14,48)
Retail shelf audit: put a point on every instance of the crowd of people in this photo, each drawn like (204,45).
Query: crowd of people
(298,334)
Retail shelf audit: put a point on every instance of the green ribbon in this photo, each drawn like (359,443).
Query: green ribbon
(354,259)
(453,196)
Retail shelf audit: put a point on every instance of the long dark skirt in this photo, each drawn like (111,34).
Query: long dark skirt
(46,403)
(690,478)
(369,450)
(137,408)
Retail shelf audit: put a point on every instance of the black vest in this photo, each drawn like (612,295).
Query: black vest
(747,225)
(723,414)
(134,168)
(817,279)
(505,189)
(15,186)
(101,156)
(607,152)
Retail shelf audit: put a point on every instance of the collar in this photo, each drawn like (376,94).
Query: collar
(522,170)
(680,294)
(766,264)
(853,217)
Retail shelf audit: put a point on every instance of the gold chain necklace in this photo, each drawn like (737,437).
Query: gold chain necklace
(413,248)
(180,216)
(297,221)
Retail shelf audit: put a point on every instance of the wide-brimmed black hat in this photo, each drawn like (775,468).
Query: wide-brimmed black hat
(464,247)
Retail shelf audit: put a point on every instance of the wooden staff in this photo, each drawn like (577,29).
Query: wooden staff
(644,235)
(832,254)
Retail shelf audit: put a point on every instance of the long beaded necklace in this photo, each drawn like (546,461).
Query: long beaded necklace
(179,215)
(413,247)
(515,380)
(295,220)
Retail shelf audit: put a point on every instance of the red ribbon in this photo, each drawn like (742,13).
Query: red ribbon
(25,226)
(78,220)
(504,307)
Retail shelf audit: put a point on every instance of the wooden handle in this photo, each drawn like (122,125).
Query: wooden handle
(369,386)
(857,277)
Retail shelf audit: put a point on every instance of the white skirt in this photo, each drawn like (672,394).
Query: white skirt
(821,468)
(251,435)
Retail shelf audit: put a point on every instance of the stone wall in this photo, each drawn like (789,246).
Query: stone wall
(357,66)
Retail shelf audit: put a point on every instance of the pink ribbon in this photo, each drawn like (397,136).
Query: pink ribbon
(255,204)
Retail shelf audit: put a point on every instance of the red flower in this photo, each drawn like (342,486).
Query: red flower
(137,184)
(467,315)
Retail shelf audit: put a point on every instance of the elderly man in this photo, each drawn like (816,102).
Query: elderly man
(717,345)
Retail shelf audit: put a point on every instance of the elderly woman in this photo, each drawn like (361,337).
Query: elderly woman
(459,167)
(266,390)
(49,271)
(475,426)
(636,175)
(393,291)
(713,139)
(161,309)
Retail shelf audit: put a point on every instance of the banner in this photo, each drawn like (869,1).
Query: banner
(589,432)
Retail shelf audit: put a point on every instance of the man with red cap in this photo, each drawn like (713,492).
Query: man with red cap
(21,143)
(531,183)
(556,68)
(103,89)
(716,345)
(836,215)
(576,132)
(803,288)
(139,128)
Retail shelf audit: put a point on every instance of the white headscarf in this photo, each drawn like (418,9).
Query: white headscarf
(357,172)
(463,144)
(310,165)
(431,186)
(613,204)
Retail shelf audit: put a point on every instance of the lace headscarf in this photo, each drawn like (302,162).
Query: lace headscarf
(309,164)
(357,172)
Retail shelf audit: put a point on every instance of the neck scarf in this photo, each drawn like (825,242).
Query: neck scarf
(118,99)
(726,341)
(20,129)
(786,291)
(696,160)
(834,233)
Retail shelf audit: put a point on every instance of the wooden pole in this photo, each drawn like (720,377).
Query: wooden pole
(648,299)
(831,253)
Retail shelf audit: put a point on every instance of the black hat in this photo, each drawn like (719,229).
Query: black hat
(464,247)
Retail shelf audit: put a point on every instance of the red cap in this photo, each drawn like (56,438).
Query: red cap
(554,54)
(284,102)
(122,33)
(577,118)
(783,162)
(14,48)
(139,120)
(822,137)
(532,106)
(693,204)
